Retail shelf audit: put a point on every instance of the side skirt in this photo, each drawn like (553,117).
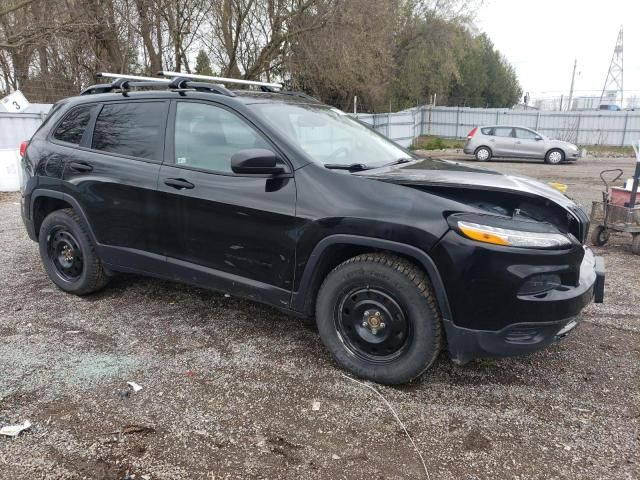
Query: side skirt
(129,260)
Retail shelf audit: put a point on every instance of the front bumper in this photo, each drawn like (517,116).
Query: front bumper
(572,155)
(490,317)
(516,339)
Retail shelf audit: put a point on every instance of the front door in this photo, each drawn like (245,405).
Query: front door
(230,232)
(527,145)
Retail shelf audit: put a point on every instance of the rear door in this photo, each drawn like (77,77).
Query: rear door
(113,174)
(230,232)
(502,141)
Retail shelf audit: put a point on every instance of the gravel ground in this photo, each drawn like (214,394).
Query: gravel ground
(229,385)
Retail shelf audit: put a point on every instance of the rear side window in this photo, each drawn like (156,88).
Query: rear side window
(487,131)
(503,131)
(131,129)
(72,127)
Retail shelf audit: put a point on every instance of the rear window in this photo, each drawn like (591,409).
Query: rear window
(131,129)
(73,125)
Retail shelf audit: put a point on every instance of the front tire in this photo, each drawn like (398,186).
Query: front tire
(68,254)
(554,156)
(483,154)
(376,314)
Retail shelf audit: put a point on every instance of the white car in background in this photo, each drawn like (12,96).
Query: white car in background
(517,142)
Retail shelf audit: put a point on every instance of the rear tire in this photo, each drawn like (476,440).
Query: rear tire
(377,315)
(635,244)
(600,236)
(69,255)
(554,156)
(483,154)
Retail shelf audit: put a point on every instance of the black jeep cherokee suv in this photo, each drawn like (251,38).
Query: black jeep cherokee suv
(280,199)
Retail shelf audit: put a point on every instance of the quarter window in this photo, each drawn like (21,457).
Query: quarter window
(207,136)
(72,127)
(131,129)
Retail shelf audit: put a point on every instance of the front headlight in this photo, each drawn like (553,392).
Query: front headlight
(511,237)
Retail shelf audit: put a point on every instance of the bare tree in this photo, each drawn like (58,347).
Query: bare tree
(249,38)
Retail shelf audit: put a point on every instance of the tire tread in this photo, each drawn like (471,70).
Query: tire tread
(97,278)
(417,277)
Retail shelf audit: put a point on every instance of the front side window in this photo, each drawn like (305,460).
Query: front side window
(72,127)
(330,136)
(525,134)
(503,132)
(131,129)
(206,136)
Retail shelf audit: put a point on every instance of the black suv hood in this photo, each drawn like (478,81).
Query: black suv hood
(442,173)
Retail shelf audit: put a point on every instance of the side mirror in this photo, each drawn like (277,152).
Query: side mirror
(257,161)
(538,138)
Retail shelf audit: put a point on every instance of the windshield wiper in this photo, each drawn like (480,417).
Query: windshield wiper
(399,161)
(354,167)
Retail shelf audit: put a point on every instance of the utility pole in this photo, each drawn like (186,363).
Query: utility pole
(573,79)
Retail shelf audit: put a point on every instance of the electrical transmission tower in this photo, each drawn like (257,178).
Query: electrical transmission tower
(613,84)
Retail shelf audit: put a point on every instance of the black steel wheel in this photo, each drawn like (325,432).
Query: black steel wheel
(372,325)
(377,315)
(600,235)
(68,253)
(64,253)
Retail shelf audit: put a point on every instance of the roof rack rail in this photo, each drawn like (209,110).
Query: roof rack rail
(132,77)
(236,81)
(264,86)
(125,82)
(184,81)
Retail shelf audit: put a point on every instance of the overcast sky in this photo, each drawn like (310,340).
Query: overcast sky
(541,39)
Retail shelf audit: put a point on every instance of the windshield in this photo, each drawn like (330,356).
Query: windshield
(329,136)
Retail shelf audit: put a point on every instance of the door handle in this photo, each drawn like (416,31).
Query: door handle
(178,183)
(80,167)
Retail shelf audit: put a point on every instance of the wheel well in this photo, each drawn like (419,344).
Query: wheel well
(333,256)
(43,206)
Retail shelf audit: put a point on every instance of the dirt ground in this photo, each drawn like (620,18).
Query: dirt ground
(228,385)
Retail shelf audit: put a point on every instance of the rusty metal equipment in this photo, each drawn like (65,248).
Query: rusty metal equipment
(607,217)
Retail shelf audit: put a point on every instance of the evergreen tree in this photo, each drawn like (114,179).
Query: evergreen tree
(203,65)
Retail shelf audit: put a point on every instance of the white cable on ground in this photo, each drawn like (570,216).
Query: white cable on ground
(426,471)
